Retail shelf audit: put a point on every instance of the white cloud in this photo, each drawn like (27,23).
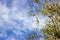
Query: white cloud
(18,13)
(9,15)
(11,38)
(41,39)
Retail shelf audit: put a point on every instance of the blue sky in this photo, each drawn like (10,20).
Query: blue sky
(15,21)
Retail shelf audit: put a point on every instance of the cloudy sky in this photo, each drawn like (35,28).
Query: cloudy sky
(15,21)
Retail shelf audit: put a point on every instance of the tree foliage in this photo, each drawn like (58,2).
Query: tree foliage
(51,30)
(37,1)
(32,36)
